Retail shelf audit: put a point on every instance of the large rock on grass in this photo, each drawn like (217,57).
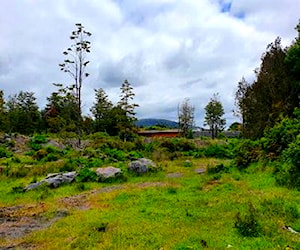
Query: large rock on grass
(109,173)
(142,165)
(53,180)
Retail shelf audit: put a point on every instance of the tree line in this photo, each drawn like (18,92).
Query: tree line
(272,96)
(275,93)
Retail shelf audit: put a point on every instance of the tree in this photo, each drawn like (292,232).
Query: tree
(274,93)
(75,65)
(125,112)
(186,117)
(127,96)
(3,113)
(23,113)
(60,114)
(101,110)
(213,116)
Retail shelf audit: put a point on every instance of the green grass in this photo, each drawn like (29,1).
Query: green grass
(153,211)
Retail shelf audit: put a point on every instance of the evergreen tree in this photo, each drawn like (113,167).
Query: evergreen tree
(101,110)
(213,116)
(127,96)
(23,113)
(125,112)
(60,114)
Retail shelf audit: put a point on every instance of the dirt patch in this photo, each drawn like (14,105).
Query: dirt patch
(210,185)
(17,221)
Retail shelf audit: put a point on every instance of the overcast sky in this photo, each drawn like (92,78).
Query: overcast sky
(167,49)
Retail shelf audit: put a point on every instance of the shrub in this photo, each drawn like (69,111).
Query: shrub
(4,153)
(178,144)
(85,175)
(246,152)
(69,166)
(17,189)
(288,169)
(39,139)
(220,168)
(281,135)
(217,151)
(247,225)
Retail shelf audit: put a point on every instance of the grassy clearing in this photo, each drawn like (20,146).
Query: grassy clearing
(194,211)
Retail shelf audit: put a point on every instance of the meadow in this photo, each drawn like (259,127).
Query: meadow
(197,199)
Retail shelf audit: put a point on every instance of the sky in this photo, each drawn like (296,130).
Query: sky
(168,50)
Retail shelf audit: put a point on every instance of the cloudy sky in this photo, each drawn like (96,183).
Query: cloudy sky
(167,49)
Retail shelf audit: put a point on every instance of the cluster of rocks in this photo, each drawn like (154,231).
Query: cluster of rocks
(139,166)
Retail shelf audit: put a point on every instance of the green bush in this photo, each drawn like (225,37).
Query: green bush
(178,144)
(220,168)
(39,139)
(215,150)
(85,175)
(281,135)
(288,169)
(69,166)
(247,152)
(4,153)
(247,225)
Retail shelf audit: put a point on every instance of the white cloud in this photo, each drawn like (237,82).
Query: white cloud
(167,49)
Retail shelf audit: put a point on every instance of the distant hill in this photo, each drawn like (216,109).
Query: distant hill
(156,122)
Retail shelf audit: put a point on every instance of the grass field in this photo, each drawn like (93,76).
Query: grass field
(227,209)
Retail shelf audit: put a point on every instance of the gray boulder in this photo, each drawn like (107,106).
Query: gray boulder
(142,165)
(53,180)
(108,173)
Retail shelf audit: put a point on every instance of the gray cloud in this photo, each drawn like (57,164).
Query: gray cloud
(167,49)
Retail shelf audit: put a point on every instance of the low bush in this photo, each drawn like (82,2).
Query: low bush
(217,150)
(4,153)
(178,144)
(220,168)
(288,168)
(85,175)
(248,225)
(247,152)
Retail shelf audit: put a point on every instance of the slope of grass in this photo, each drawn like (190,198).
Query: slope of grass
(194,211)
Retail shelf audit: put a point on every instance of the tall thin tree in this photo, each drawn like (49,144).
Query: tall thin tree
(75,64)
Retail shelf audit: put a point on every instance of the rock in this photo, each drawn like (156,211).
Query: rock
(108,173)
(34,185)
(142,165)
(200,170)
(53,180)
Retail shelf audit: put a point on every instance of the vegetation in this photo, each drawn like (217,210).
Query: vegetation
(213,116)
(186,118)
(204,193)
